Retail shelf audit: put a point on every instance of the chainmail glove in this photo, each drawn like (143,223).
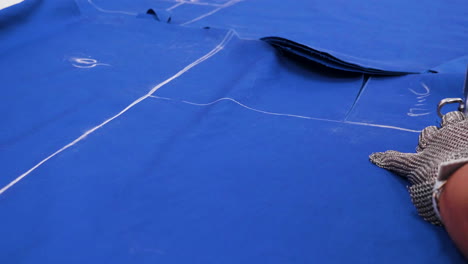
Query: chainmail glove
(438,147)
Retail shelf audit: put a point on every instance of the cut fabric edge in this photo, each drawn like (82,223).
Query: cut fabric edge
(326,59)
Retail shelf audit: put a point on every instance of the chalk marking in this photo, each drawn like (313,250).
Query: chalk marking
(191,2)
(111,11)
(228,4)
(7,3)
(175,6)
(286,115)
(421,96)
(413,112)
(218,48)
(86,63)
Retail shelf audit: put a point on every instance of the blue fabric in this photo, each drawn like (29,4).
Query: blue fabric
(407,101)
(390,37)
(386,37)
(399,36)
(76,98)
(34,19)
(128,138)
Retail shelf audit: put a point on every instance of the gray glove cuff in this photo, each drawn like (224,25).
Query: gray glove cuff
(425,196)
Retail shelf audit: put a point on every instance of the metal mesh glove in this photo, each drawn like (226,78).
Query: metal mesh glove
(437,146)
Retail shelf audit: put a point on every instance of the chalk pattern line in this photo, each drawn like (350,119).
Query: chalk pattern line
(111,11)
(177,4)
(192,2)
(227,4)
(287,115)
(214,51)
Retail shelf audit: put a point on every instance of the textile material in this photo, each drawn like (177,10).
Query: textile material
(381,37)
(128,137)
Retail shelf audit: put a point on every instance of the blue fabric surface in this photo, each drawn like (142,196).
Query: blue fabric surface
(407,101)
(390,37)
(76,98)
(128,138)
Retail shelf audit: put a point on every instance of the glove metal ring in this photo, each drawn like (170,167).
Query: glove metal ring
(445,101)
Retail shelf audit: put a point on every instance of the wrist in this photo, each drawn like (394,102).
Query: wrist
(446,170)
(453,205)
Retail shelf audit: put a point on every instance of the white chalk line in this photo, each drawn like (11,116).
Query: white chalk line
(421,97)
(175,6)
(86,63)
(179,3)
(191,2)
(218,48)
(228,4)
(7,3)
(287,115)
(111,11)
